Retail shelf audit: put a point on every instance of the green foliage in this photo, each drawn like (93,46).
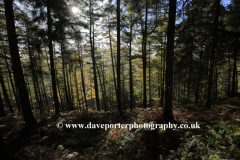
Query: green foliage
(91,151)
(139,121)
(220,142)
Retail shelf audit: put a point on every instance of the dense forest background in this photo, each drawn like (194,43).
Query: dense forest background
(95,55)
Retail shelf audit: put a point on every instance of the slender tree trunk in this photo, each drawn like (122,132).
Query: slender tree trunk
(149,72)
(12,84)
(234,73)
(167,111)
(160,81)
(71,84)
(34,77)
(205,92)
(110,39)
(118,60)
(222,83)
(236,82)
(104,102)
(130,68)
(190,76)
(77,88)
(144,60)
(216,84)
(54,88)
(69,87)
(179,86)
(229,75)
(93,59)
(60,96)
(9,90)
(29,90)
(214,43)
(7,100)
(64,76)
(104,87)
(199,76)
(16,64)
(163,80)
(123,97)
(184,85)
(2,111)
(43,91)
(82,76)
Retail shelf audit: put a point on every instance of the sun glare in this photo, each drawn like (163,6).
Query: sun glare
(74,9)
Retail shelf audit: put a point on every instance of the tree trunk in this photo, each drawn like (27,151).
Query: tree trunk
(104,86)
(214,43)
(78,99)
(205,91)
(236,92)
(101,85)
(93,59)
(16,64)
(163,80)
(7,100)
(118,60)
(190,74)
(34,77)
(179,80)
(167,111)
(123,98)
(114,78)
(2,111)
(69,88)
(149,72)
(54,88)
(199,76)
(130,68)
(216,80)
(229,75)
(144,60)
(64,77)
(234,73)
(82,76)
(13,87)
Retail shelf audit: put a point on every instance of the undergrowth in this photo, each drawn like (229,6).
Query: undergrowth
(217,138)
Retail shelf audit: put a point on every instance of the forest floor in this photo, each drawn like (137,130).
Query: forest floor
(217,138)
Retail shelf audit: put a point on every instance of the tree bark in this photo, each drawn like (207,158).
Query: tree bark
(163,79)
(12,84)
(167,111)
(54,88)
(2,111)
(149,72)
(214,43)
(144,60)
(199,76)
(78,99)
(93,59)
(234,73)
(16,64)
(82,76)
(130,68)
(118,60)
(5,94)
(114,78)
